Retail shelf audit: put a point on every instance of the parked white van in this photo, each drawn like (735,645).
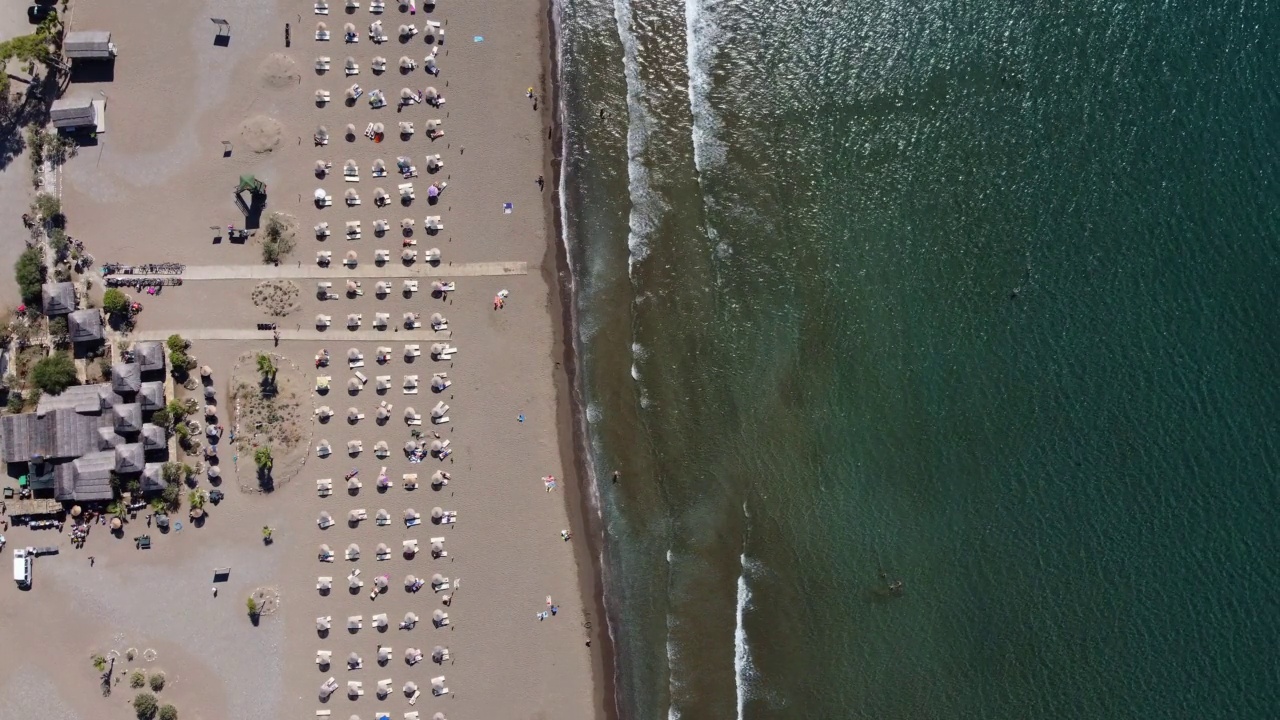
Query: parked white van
(22,567)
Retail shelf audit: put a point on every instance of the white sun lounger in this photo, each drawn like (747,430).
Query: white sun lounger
(323,657)
(410,286)
(353,5)
(355,687)
(358,362)
(414,419)
(351,174)
(353,201)
(361,514)
(322,35)
(410,481)
(377,6)
(384,555)
(410,384)
(382,256)
(322,8)
(353,69)
(327,201)
(380,320)
(324,97)
(412,351)
(323,63)
(361,377)
(324,487)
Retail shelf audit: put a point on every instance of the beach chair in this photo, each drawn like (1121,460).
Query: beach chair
(450,517)
(380,320)
(413,715)
(323,96)
(322,230)
(350,261)
(377,7)
(324,487)
(410,384)
(322,7)
(382,256)
(406,191)
(355,688)
(323,657)
(433,223)
(360,514)
(353,5)
(322,35)
(412,351)
(409,172)
(410,286)
(326,201)
(353,200)
(323,63)
(351,173)
(354,320)
(353,230)
(323,257)
(361,377)
(324,522)
(438,414)
(410,481)
(355,361)
(437,686)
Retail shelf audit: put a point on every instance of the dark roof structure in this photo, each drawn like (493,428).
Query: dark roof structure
(126,378)
(57,434)
(85,326)
(129,458)
(151,397)
(150,355)
(86,478)
(58,298)
(81,398)
(153,478)
(88,45)
(70,113)
(108,438)
(153,437)
(127,418)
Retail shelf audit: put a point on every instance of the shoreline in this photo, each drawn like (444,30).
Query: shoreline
(584,517)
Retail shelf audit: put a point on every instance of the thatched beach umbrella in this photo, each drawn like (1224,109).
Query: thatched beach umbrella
(353,353)
(350,63)
(432,255)
(322,132)
(408,255)
(437,548)
(380,582)
(433,162)
(381,449)
(410,414)
(439,410)
(384,654)
(406,62)
(321,27)
(354,660)
(406,93)
(404,31)
(384,382)
(409,580)
(353,550)
(437,653)
(437,286)
(383,414)
(353,484)
(351,194)
(351,255)
(348,28)
(116,523)
(210,411)
(324,411)
(438,383)
(320,95)
(438,348)
(353,384)
(324,519)
(437,513)
(353,516)
(353,414)
(410,688)
(437,478)
(436,447)
(350,131)
(383,515)
(380,195)
(213,472)
(353,447)
(75,511)
(437,615)
(379,128)
(325,551)
(432,94)
(410,514)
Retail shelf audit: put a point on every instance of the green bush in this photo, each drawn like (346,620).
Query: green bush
(59,241)
(172,496)
(262,456)
(16,401)
(115,302)
(145,705)
(47,206)
(54,373)
(277,241)
(157,682)
(178,360)
(99,663)
(30,273)
(253,607)
(168,712)
(176,343)
(137,679)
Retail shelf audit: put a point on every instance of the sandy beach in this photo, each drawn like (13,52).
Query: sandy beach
(157,188)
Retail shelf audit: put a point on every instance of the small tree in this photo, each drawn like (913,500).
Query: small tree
(168,712)
(145,705)
(29,271)
(179,361)
(176,342)
(162,418)
(156,681)
(58,329)
(172,496)
(253,607)
(262,457)
(171,472)
(137,679)
(16,401)
(115,302)
(99,662)
(266,367)
(54,373)
(195,499)
(47,206)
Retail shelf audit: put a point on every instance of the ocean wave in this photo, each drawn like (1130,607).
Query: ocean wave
(646,206)
(744,672)
(594,413)
(701,33)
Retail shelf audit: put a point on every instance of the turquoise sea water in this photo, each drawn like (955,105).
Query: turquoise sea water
(978,296)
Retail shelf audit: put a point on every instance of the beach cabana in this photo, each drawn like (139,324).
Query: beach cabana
(58,298)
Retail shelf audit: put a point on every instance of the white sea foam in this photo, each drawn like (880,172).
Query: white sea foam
(701,34)
(646,207)
(743,670)
(635,372)
(594,413)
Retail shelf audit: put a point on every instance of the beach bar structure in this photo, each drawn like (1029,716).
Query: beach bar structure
(88,45)
(71,114)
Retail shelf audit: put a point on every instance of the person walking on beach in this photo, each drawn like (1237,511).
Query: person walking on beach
(90,561)
(541,183)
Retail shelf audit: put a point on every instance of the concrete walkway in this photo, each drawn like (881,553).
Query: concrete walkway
(367,269)
(334,334)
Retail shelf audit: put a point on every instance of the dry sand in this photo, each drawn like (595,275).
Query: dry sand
(151,191)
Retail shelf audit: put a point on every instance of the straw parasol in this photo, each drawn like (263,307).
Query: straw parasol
(383,414)
(353,659)
(405,93)
(437,653)
(320,95)
(379,60)
(351,255)
(348,28)
(351,194)
(351,130)
(75,511)
(322,132)
(353,447)
(325,550)
(408,255)
(384,654)
(410,514)
(206,371)
(381,448)
(437,478)
(321,27)
(432,94)
(438,411)
(410,687)
(437,286)
(116,524)
(432,163)
(406,62)
(353,516)
(438,348)
(410,446)
(351,63)
(325,518)
(436,446)
(379,195)
(437,513)
(409,580)
(404,31)
(437,548)
(353,549)
(380,582)
(353,414)
(353,384)
(379,128)
(214,473)
(437,615)
(353,484)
